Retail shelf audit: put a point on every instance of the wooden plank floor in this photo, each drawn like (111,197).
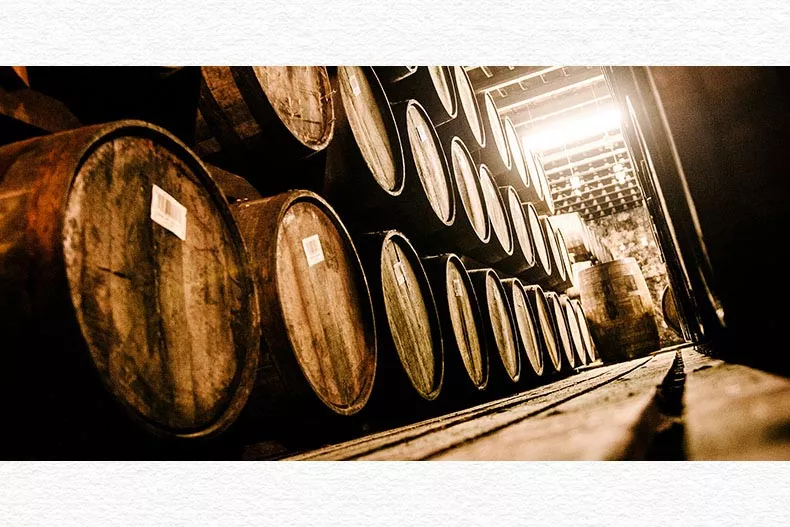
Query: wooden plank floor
(441,436)
(733,412)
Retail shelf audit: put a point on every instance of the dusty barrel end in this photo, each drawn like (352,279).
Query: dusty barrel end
(319,332)
(162,327)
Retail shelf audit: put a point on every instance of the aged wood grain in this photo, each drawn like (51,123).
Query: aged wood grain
(537,238)
(525,327)
(444,87)
(517,175)
(408,315)
(368,125)
(585,330)
(471,110)
(733,412)
(497,131)
(557,314)
(496,212)
(301,97)
(470,421)
(574,330)
(429,163)
(460,298)
(613,422)
(548,336)
(468,184)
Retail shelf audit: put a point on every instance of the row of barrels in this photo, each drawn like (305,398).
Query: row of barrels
(128,280)
(582,242)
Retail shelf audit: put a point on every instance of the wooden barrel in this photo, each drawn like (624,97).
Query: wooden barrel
(557,275)
(565,260)
(575,233)
(502,243)
(619,310)
(390,74)
(364,171)
(318,331)
(526,332)
(468,124)
(496,154)
(235,188)
(560,325)
(546,205)
(411,364)
(589,346)
(517,175)
(670,310)
(547,337)
(499,328)
(575,331)
(523,256)
(258,120)
(472,227)
(465,353)
(541,267)
(534,191)
(433,87)
(427,203)
(126,290)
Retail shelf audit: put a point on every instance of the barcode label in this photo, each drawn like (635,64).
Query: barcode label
(400,272)
(421,132)
(457,287)
(313,250)
(352,79)
(168,212)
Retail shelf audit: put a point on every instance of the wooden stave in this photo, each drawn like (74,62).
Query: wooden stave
(347,174)
(393,383)
(273,144)
(561,329)
(490,155)
(393,74)
(518,263)
(460,125)
(572,324)
(420,86)
(130,432)
(557,275)
(500,380)
(552,360)
(494,251)
(589,346)
(532,372)
(457,381)
(282,391)
(461,237)
(606,335)
(412,212)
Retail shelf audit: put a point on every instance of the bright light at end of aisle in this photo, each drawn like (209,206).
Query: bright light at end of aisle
(570,130)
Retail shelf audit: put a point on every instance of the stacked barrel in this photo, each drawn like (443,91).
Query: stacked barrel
(318,245)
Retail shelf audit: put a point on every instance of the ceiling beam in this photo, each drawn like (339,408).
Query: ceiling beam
(591,185)
(594,170)
(565,107)
(592,214)
(628,186)
(575,81)
(514,76)
(594,143)
(588,160)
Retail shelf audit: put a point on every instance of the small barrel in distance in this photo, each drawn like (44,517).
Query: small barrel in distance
(557,275)
(502,243)
(560,325)
(547,336)
(496,153)
(574,330)
(524,255)
(589,346)
(433,87)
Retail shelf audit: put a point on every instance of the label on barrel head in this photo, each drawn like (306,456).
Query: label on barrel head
(313,250)
(400,272)
(457,288)
(421,132)
(168,212)
(352,80)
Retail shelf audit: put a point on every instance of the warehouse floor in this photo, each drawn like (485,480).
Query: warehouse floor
(674,405)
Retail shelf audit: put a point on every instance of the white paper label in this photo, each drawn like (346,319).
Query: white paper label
(352,80)
(400,272)
(421,132)
(168,212)
(457,287)
(313,250)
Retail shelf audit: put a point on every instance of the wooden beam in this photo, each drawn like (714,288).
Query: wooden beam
(593,144)
(630,184)
(605,210)
(513,77)
(588,160)
(576,81)
(565,107)
(593,170)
